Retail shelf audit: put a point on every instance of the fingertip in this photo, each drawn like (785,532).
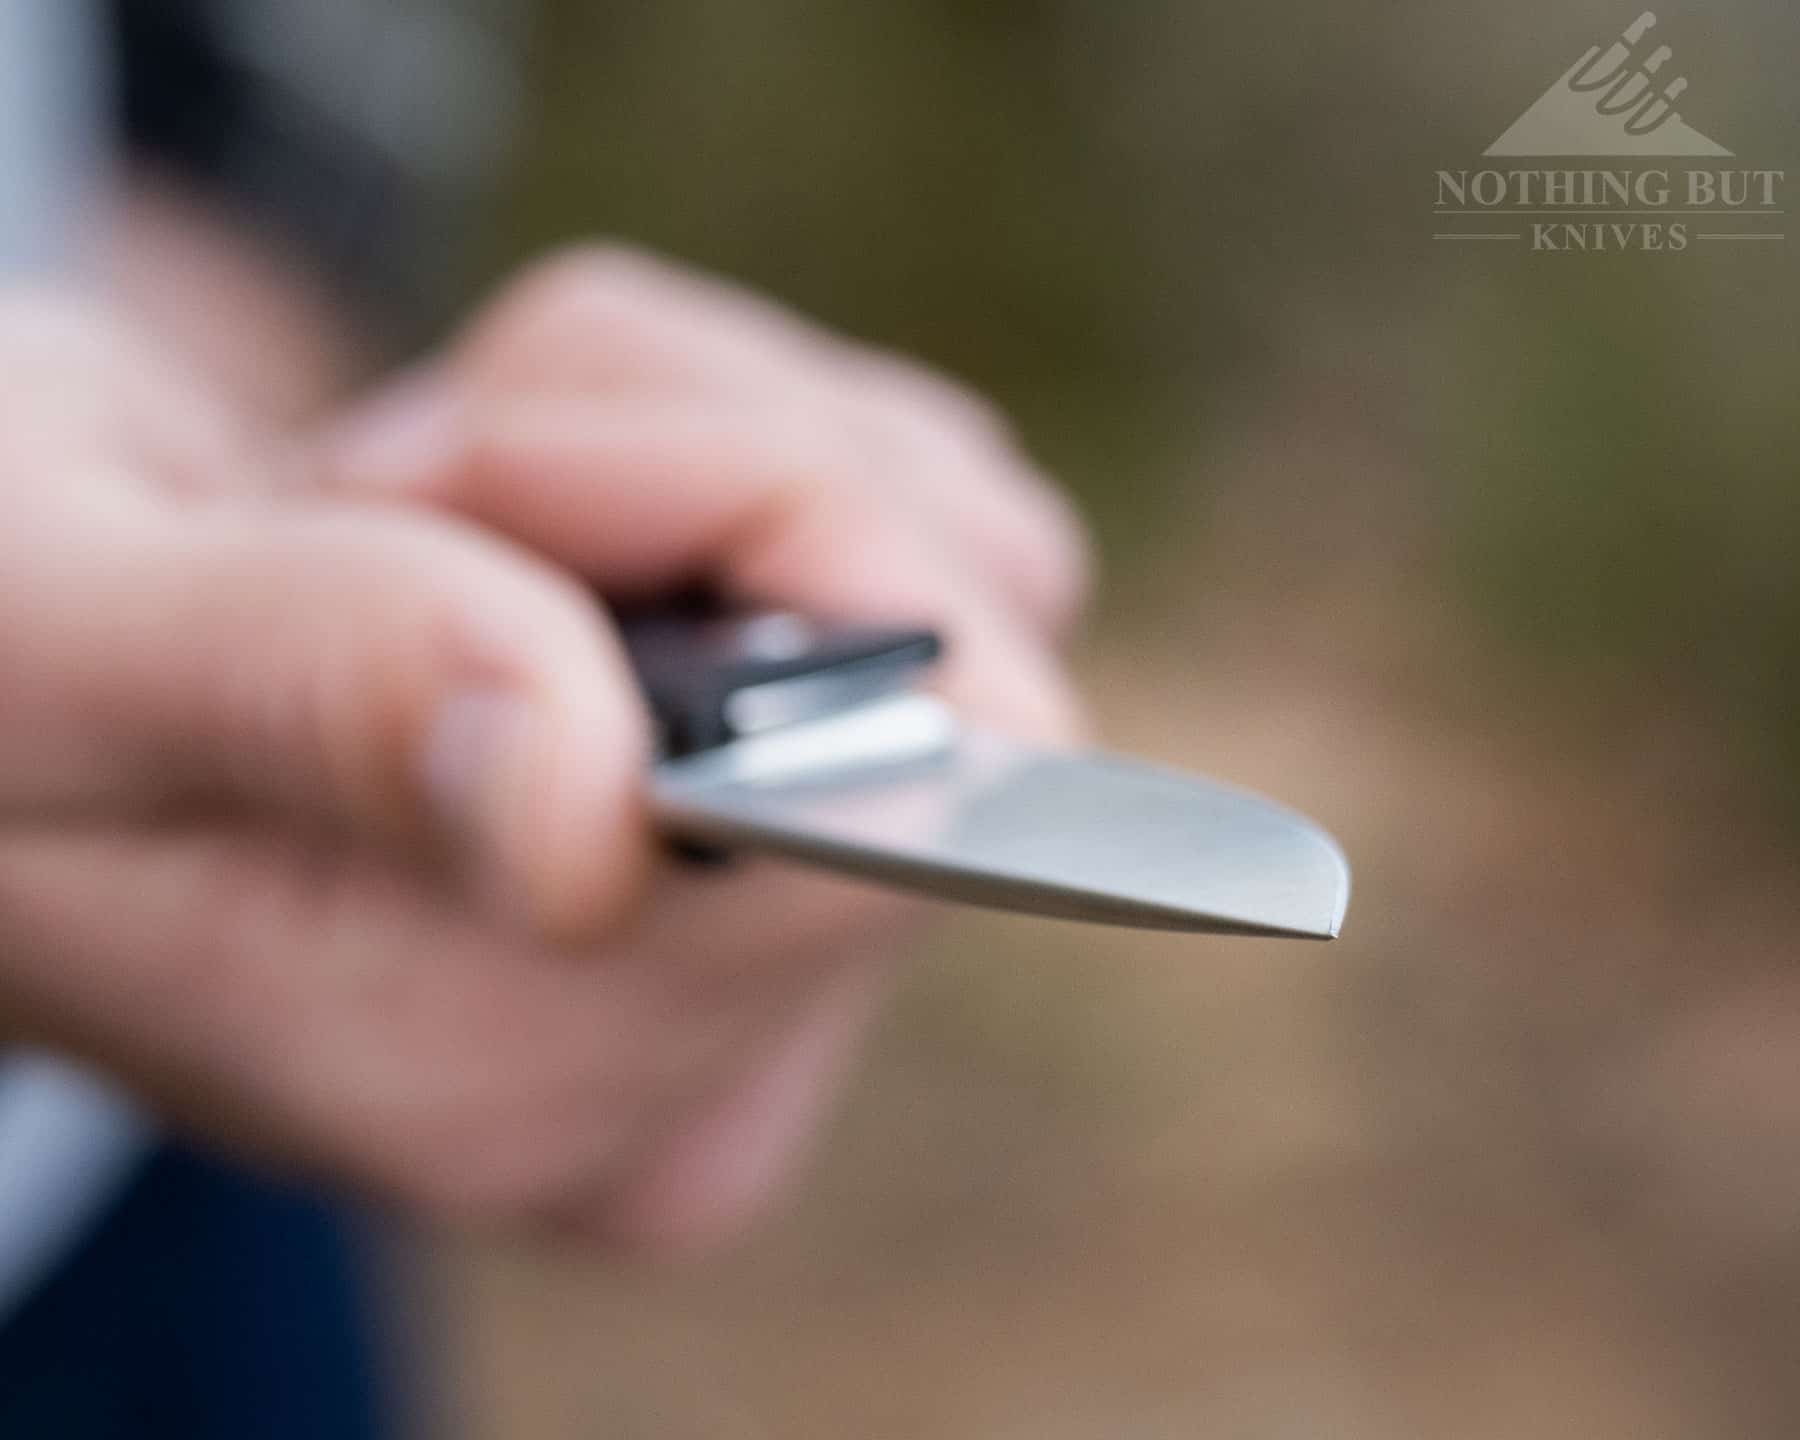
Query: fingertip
(528,742)
(573,846)
(590,847)
(1005,678)
(1040,554)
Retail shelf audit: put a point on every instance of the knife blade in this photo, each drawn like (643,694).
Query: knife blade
(816,743)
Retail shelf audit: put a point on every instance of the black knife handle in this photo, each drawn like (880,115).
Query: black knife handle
(712,676)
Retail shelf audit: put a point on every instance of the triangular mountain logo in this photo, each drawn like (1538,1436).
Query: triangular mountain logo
(1615,100)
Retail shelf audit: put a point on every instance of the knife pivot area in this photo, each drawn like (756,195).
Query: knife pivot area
(816,742)
(714,678)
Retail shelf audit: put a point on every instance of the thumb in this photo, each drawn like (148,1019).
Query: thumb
(405,677)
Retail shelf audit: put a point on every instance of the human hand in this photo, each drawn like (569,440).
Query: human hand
(649,428)
(319,822)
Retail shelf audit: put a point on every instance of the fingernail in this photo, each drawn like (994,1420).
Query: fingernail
(400,440)
(477,751)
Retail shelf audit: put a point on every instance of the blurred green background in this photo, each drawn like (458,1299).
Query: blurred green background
(1489,559)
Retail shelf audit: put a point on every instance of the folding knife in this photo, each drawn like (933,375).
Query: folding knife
(820,744)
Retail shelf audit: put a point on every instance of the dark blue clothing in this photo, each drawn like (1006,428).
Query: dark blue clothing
(208,1305)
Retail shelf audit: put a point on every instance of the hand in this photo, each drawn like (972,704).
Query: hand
(319,820)
(649,427)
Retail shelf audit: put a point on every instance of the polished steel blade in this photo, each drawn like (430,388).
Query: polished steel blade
(898,792)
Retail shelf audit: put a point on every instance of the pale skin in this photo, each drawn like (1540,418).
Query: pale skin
(321,813)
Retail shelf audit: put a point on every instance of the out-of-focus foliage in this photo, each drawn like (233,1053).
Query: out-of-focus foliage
(1126,219)
(1489,559)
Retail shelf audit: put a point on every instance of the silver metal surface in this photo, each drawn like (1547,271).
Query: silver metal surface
(898,792)
(802,699)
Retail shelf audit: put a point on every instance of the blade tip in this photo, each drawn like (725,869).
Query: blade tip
(1342,907)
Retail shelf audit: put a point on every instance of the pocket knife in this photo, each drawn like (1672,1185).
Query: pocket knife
(822,744)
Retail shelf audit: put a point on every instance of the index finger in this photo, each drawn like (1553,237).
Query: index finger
(646,499)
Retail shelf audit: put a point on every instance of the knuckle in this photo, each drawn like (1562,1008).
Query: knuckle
(589,268)
(496,429)
(582,281)
(557,298)
(543,326)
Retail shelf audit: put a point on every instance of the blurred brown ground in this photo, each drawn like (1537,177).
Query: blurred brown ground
(1494,568)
